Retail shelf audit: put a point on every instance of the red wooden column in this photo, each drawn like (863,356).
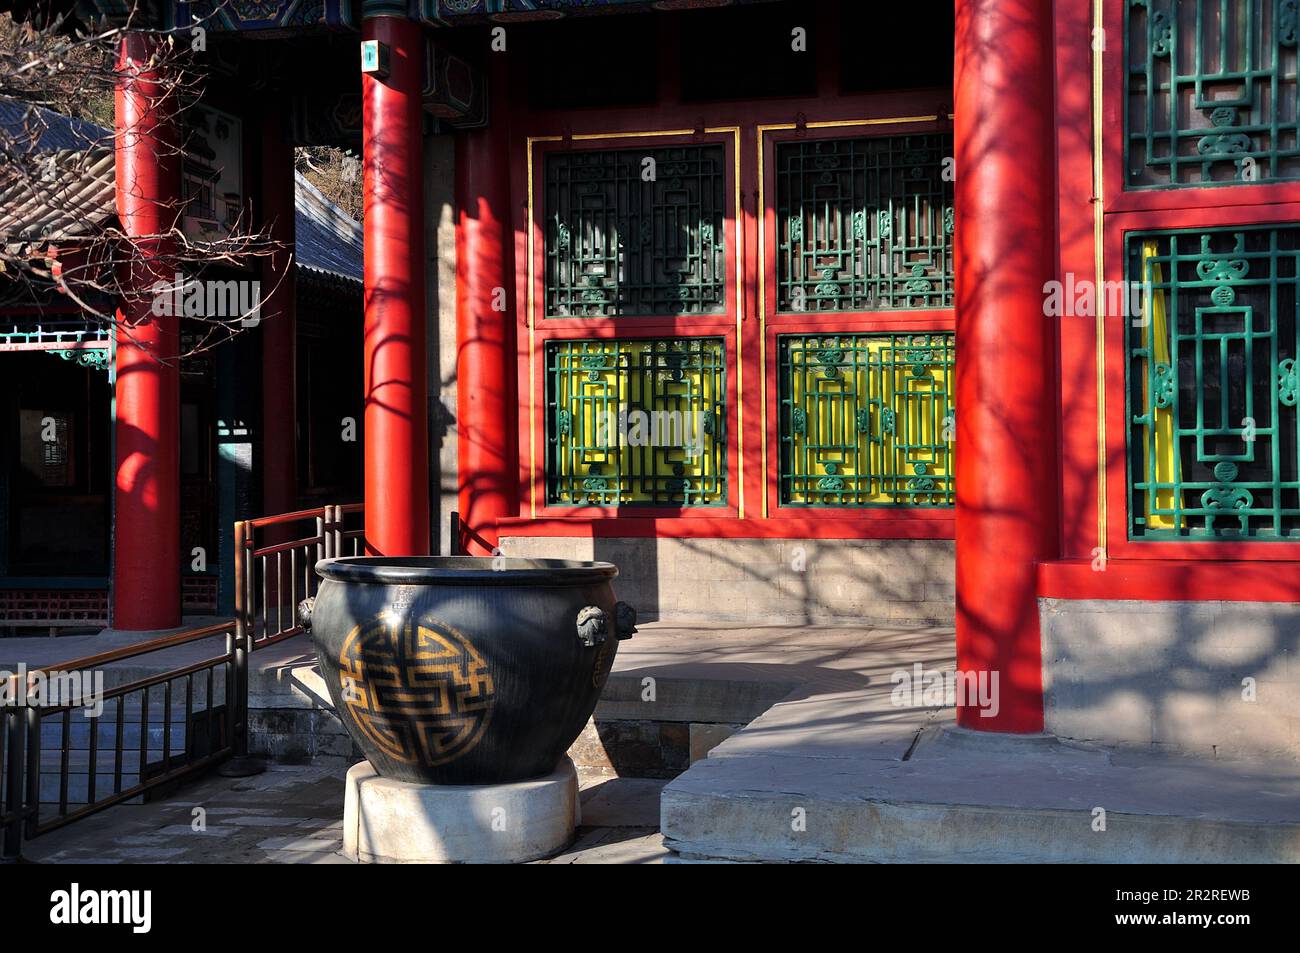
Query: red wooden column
(278,326)
(146,498)
(396,410)
(487,464)
(1006,371)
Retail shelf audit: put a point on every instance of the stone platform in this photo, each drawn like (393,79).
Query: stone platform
(849,777)
(674,693)
(676,689)
(796,753)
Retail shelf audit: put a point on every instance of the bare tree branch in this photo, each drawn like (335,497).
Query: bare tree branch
(60,238)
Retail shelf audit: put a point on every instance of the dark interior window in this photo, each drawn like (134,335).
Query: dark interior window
(747,53)
(597,61)
(880,52)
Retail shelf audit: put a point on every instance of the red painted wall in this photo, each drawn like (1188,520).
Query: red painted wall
(735,126)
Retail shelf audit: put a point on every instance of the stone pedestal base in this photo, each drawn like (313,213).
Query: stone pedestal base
(394,822)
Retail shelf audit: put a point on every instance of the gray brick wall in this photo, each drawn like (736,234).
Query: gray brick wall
(1174,675)
(777,581)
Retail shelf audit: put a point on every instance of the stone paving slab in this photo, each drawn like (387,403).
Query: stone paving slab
(238,820)
(608,845)
(621,802)
(294,814)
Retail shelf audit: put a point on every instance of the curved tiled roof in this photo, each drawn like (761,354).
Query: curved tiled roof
(79,192)
(37,129)
(326,239)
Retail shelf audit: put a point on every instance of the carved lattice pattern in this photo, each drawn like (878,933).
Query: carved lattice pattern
(866,419)
(864,224)
(636,422)
(635,232)
(1210,93)
(1212,385)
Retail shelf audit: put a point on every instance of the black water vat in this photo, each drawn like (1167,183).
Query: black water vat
(465,670)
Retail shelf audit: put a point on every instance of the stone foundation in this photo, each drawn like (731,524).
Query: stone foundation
(291,718)
(769,581)
(646,749)
(1209,679)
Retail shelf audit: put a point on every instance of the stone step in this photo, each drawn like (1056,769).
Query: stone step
(848,778)
(81,729)
(79,761)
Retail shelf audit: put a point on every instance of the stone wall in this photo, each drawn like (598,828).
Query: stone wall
(1210,679)
(291,718)
(774,581)
(440,305)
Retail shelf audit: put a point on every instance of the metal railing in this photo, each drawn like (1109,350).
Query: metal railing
(275,560)
(116,744)
(165,725)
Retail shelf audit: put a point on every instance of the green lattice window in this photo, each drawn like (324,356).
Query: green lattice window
(864,224)
(866,419)
(635,232)
(1212,385)
(636,422)
(1210,93)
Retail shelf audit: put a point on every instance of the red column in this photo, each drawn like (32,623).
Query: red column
(146,500)
(396,430)
(278,326)
(486,461)
(1006,371)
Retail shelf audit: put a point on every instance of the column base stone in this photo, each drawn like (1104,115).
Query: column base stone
(395,822)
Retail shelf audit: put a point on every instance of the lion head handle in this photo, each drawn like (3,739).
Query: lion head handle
(591,625)
(625,620)
(305,609)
